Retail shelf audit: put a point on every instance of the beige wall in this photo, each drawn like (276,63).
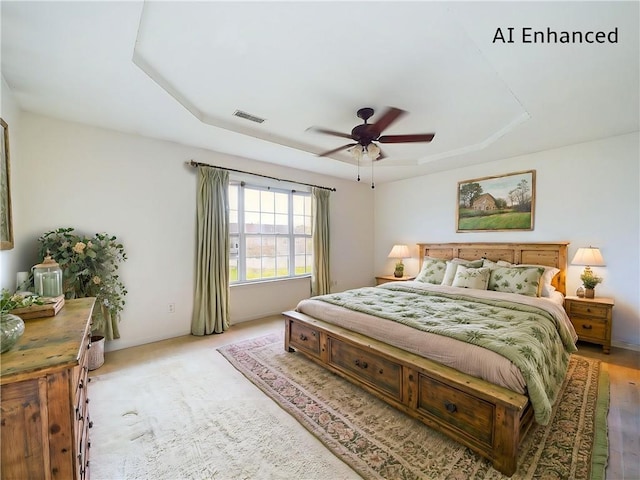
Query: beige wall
(587,194)
(140,190)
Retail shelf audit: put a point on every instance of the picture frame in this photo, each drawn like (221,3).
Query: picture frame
(6,216)
(497,203)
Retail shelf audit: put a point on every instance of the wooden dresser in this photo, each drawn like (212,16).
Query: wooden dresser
(45,416)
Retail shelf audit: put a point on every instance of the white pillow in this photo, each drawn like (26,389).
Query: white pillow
(450,272)
(467,277)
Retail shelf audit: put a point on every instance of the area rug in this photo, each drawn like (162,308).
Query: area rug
(380,442)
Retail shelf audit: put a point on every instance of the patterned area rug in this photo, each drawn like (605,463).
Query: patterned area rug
(380,442)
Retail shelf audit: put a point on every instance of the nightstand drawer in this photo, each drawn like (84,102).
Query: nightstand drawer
(588,310)
(589,328)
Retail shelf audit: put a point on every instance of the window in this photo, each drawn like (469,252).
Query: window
(270,233)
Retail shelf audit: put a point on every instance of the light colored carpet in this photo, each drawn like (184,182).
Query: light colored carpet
(194,416)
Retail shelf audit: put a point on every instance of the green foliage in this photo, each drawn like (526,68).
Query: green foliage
(10,301)
(589,280)
(89,269)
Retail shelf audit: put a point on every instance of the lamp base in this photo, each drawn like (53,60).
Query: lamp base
(399,271)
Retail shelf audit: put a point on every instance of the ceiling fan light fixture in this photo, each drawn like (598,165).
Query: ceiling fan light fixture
(373,151)
(356,152)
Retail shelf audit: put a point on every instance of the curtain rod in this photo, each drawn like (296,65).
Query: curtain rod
(193,163)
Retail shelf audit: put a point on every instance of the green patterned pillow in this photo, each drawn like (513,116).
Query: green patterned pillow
(522,280)
(452,264)
(432,271)
(466,277)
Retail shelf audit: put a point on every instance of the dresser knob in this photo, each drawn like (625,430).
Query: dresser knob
(451,407)
(587,327)
(303,337)
(361,364)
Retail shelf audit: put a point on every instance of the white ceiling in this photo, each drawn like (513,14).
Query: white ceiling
(178,71)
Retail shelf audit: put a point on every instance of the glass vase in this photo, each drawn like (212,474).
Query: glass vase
(11,328)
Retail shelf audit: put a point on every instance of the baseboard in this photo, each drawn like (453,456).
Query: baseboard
(626,346)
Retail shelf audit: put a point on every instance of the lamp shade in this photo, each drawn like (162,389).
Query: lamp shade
(399,251)
(588,256)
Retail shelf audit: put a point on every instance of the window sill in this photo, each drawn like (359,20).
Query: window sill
(271,280)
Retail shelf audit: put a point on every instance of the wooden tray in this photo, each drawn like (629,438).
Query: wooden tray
(49,309)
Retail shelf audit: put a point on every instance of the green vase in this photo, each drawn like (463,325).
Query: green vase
(11,328)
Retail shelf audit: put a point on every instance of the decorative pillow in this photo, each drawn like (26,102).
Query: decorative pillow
(467,277)
(545,282)
(451,268)
(432,271)
(489,263)
(522,280)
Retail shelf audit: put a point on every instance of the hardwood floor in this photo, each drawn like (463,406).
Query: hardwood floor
(624,410)
(623,367)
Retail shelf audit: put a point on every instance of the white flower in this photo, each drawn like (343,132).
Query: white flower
(96,280)
(79,247)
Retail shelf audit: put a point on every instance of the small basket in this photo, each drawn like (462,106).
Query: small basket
(96,352)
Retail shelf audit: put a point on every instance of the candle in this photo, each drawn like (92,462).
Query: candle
(50,284)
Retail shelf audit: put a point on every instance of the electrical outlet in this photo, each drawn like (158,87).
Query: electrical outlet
(172,308)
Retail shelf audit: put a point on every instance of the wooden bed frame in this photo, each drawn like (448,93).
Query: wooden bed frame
(490,420)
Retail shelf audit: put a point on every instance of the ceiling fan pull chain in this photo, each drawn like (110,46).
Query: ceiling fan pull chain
(358,169)
(373,185)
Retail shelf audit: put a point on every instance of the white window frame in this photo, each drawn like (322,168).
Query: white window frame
(237,248)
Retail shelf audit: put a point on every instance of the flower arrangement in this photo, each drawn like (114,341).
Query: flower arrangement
(589,280)
(90,269)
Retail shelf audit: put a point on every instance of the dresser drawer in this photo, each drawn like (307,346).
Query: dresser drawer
(375,370)
(305,338)
(587,310)
(455,407)
(590,328)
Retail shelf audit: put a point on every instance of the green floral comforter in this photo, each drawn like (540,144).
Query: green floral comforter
(533,338)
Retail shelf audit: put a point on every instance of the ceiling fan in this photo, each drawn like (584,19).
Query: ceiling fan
(366,134)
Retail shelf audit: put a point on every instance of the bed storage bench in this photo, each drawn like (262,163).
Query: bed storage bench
(489,419)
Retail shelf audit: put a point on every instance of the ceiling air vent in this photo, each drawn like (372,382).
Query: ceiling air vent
(248,116)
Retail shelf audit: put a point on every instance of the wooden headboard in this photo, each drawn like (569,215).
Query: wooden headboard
(548,254)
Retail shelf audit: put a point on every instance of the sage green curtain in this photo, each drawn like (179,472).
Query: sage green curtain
(211,301)
(320,280)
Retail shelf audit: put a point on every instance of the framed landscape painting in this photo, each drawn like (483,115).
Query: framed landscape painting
(6,225)
(499,203)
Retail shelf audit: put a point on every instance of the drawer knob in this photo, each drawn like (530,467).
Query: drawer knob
(589,310)
(361,364)
(451,407)
(587,327)
(303,337)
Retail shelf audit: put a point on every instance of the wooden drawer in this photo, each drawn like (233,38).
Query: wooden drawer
(455,407)
(587,310)
(373,369)
(589,328)
(305,338)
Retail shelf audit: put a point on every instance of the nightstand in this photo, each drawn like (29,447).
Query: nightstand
(390,278)
(591,317)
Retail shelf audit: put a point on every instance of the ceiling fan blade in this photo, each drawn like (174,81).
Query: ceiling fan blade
(330,152)
(390,116)
(422,137)
(330,132)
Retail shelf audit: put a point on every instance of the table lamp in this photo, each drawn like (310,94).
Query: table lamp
(400,252)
